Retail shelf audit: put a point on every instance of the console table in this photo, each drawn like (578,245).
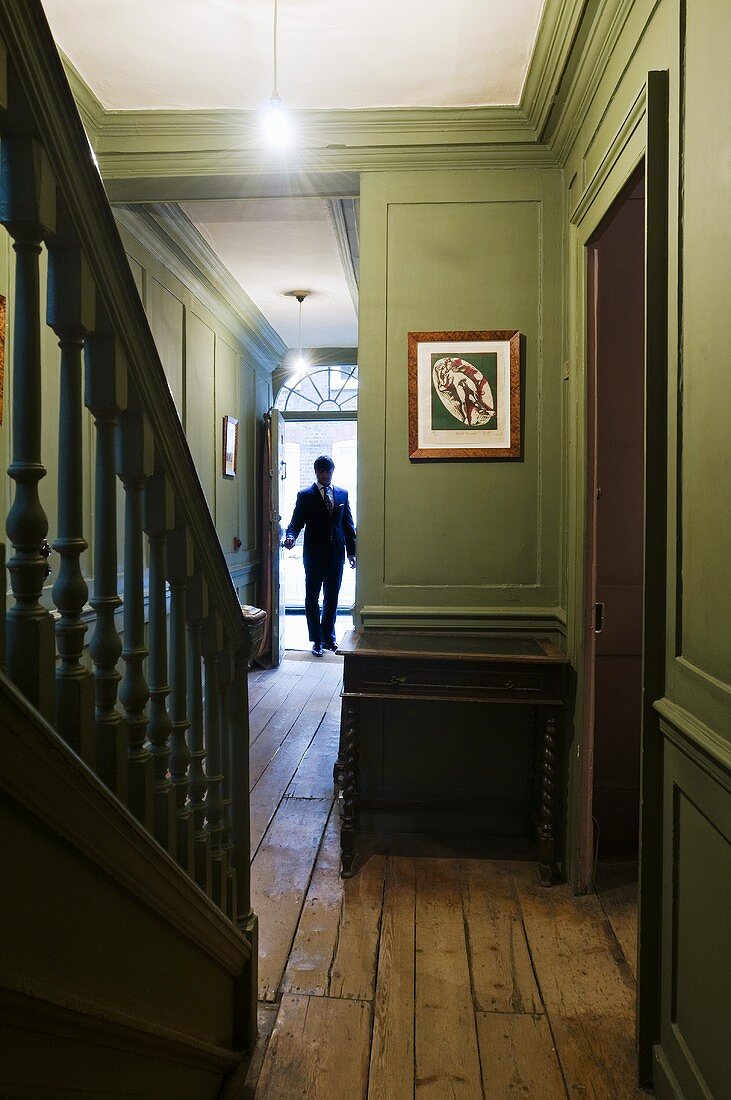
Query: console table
(431,667)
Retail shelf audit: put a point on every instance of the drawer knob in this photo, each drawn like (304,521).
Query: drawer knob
(509,685)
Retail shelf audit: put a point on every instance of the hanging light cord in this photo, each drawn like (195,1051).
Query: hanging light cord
(276,22)
(300,326)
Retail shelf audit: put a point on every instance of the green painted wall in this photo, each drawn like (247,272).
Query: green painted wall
(686,858)
(210,376)
(468,543)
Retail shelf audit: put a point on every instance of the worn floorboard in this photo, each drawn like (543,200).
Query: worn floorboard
(280,876)
(502,971)
(616,888)
(392,1050)
(447,1061)
(428,975)
(518,1057)
(318,1049)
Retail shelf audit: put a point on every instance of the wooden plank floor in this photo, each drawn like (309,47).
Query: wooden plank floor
(423,976)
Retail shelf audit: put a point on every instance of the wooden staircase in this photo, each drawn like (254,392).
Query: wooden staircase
(128,942)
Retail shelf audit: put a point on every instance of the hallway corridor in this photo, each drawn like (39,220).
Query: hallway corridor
(423,976)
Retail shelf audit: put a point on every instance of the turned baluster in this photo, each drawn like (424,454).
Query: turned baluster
(196,612)
(180,567)
(226,677)
(159,516)
(27,210)
(134,466)
(244,1022)
(70,313)
(105,394)
(212,646)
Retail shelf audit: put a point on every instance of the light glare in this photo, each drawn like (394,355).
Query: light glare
(277,130)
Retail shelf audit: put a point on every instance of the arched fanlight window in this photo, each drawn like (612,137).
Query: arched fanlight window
(321,390)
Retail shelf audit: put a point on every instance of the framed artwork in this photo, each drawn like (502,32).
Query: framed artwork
(230,446)
(464,395)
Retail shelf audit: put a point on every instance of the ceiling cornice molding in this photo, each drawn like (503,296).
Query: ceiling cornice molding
(403,125)
(556,33)
(170,236)
(345,229)
(138,177)
(91,108)
(595,55)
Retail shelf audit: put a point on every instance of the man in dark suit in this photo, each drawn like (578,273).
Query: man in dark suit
(324,512)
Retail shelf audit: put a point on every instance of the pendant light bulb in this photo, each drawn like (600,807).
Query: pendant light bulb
(300,361)
(277,131)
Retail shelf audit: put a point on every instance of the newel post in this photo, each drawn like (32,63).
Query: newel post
(27,210)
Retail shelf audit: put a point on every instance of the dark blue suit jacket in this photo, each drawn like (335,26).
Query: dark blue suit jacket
(326,536)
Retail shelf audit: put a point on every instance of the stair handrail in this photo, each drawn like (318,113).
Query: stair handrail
(61,132)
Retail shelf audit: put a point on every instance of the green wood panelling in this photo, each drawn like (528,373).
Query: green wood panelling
(458,251)
(200,405)
(165,314)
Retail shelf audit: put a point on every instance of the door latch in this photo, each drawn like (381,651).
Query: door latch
(598,618)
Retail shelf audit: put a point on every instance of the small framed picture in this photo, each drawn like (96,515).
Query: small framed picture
(464,395)
(230,446)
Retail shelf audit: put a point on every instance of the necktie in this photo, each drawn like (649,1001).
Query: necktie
(328,500)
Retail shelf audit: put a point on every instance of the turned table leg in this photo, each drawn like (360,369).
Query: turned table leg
(349,778)
(547,825)
(339,765)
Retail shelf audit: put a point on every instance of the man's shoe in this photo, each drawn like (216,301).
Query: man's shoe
(332,644)
(317,649)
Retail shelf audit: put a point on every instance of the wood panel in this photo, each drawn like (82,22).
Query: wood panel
(578,962)
(518,1057)
(598,1055)
(392,1051)
(269,790)
(502,972)
(447,1061)
(334,952)
(280,875)
(616,888)
(319,1050)
(313,950)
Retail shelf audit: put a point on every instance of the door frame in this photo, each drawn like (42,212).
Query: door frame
(651,144)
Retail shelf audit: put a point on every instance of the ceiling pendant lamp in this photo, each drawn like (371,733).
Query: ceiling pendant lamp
(276,126)
(300,360)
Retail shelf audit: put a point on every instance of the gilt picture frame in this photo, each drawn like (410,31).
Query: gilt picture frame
(230,446)
(464,395)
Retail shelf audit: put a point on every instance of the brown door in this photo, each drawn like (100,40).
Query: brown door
(615,534)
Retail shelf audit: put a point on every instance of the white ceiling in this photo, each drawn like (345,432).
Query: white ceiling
(207,54)
(275,245)
(186,54)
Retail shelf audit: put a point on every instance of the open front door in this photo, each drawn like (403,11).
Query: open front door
(278,468)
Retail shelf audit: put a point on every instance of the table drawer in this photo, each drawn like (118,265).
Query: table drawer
(439,681)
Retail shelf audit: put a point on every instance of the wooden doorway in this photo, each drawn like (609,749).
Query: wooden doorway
(615,529)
